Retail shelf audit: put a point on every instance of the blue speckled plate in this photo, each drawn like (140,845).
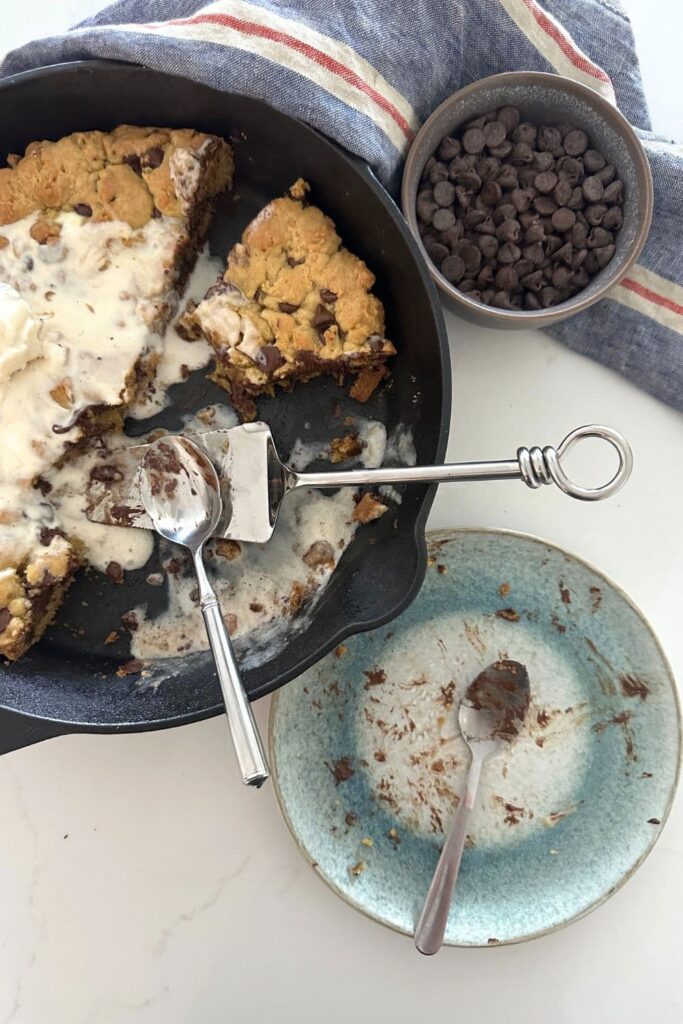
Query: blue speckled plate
(368,762)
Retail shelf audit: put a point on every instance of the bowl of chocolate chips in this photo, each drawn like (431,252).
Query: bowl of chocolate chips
(530,196)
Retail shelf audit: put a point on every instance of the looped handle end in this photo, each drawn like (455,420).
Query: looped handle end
(544,466)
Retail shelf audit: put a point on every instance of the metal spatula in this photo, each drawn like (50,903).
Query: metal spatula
(255,480)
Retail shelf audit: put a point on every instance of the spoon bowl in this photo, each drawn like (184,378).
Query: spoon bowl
(180,491)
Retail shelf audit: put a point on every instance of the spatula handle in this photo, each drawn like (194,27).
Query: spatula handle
(535,466)
(251,756)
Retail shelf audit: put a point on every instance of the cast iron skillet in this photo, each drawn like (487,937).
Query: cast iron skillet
(68,682)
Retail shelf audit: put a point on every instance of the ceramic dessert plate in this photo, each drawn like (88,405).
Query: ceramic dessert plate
(368,761)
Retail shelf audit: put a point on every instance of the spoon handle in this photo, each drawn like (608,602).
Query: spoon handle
(431,926)
(251,756)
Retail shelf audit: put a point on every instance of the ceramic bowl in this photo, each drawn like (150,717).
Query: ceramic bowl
(368,762)
(542,99)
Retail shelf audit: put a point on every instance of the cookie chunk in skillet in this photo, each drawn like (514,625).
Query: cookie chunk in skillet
(98,234)
(293,304)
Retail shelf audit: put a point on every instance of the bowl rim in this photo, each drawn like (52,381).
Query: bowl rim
(540,317)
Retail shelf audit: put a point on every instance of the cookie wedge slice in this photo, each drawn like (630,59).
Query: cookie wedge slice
(293,304)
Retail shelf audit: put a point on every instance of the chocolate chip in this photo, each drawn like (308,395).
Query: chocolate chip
(606,174)
(523,267)
(487,227)
(469,179)
(48,533)
(595,214)
(508,117)
(563,219)
(509,253)
(448,148)
(520,199)
(545,182)
(548,296)
(593,161)
(581,278)
(598,238)
(83,209)
(133,161)
(288,307)
(153,158)
(578,258)
(562,276)
(526,176)
(452,235)
(436,250)
(488,245)
(535,232)
(425,208)
(545,205)
(531,301)
(488,168)
(115,572)
(534,253)
(491,192)
(612,194)
(443,219)
(578,235)
(438,172)
(471,256)
(506,279)
(494,133)
(552,244)
(485,275)
(444,193)
(562,192)
(592,189)
(322,318)
(525,132)
(575,142)
(375,343)
(270,357)
(509,231)
(613,219)
(327,296)
(473,141)
(534,281)
(427,168)
(473,218)
(564,254)
(543,161)
(604,255)
(453,268)
(570,168)
(575,201)
(469,286)
(5,616)
(463,196)
(549,139)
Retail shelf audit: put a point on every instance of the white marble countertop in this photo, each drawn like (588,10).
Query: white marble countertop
(140,882)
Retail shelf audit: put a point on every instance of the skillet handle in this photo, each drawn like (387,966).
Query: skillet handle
(17,731)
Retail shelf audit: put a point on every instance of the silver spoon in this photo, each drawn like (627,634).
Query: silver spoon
(181,494)
(490,716)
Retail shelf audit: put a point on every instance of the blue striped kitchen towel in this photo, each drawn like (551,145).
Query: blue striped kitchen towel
(368,72)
